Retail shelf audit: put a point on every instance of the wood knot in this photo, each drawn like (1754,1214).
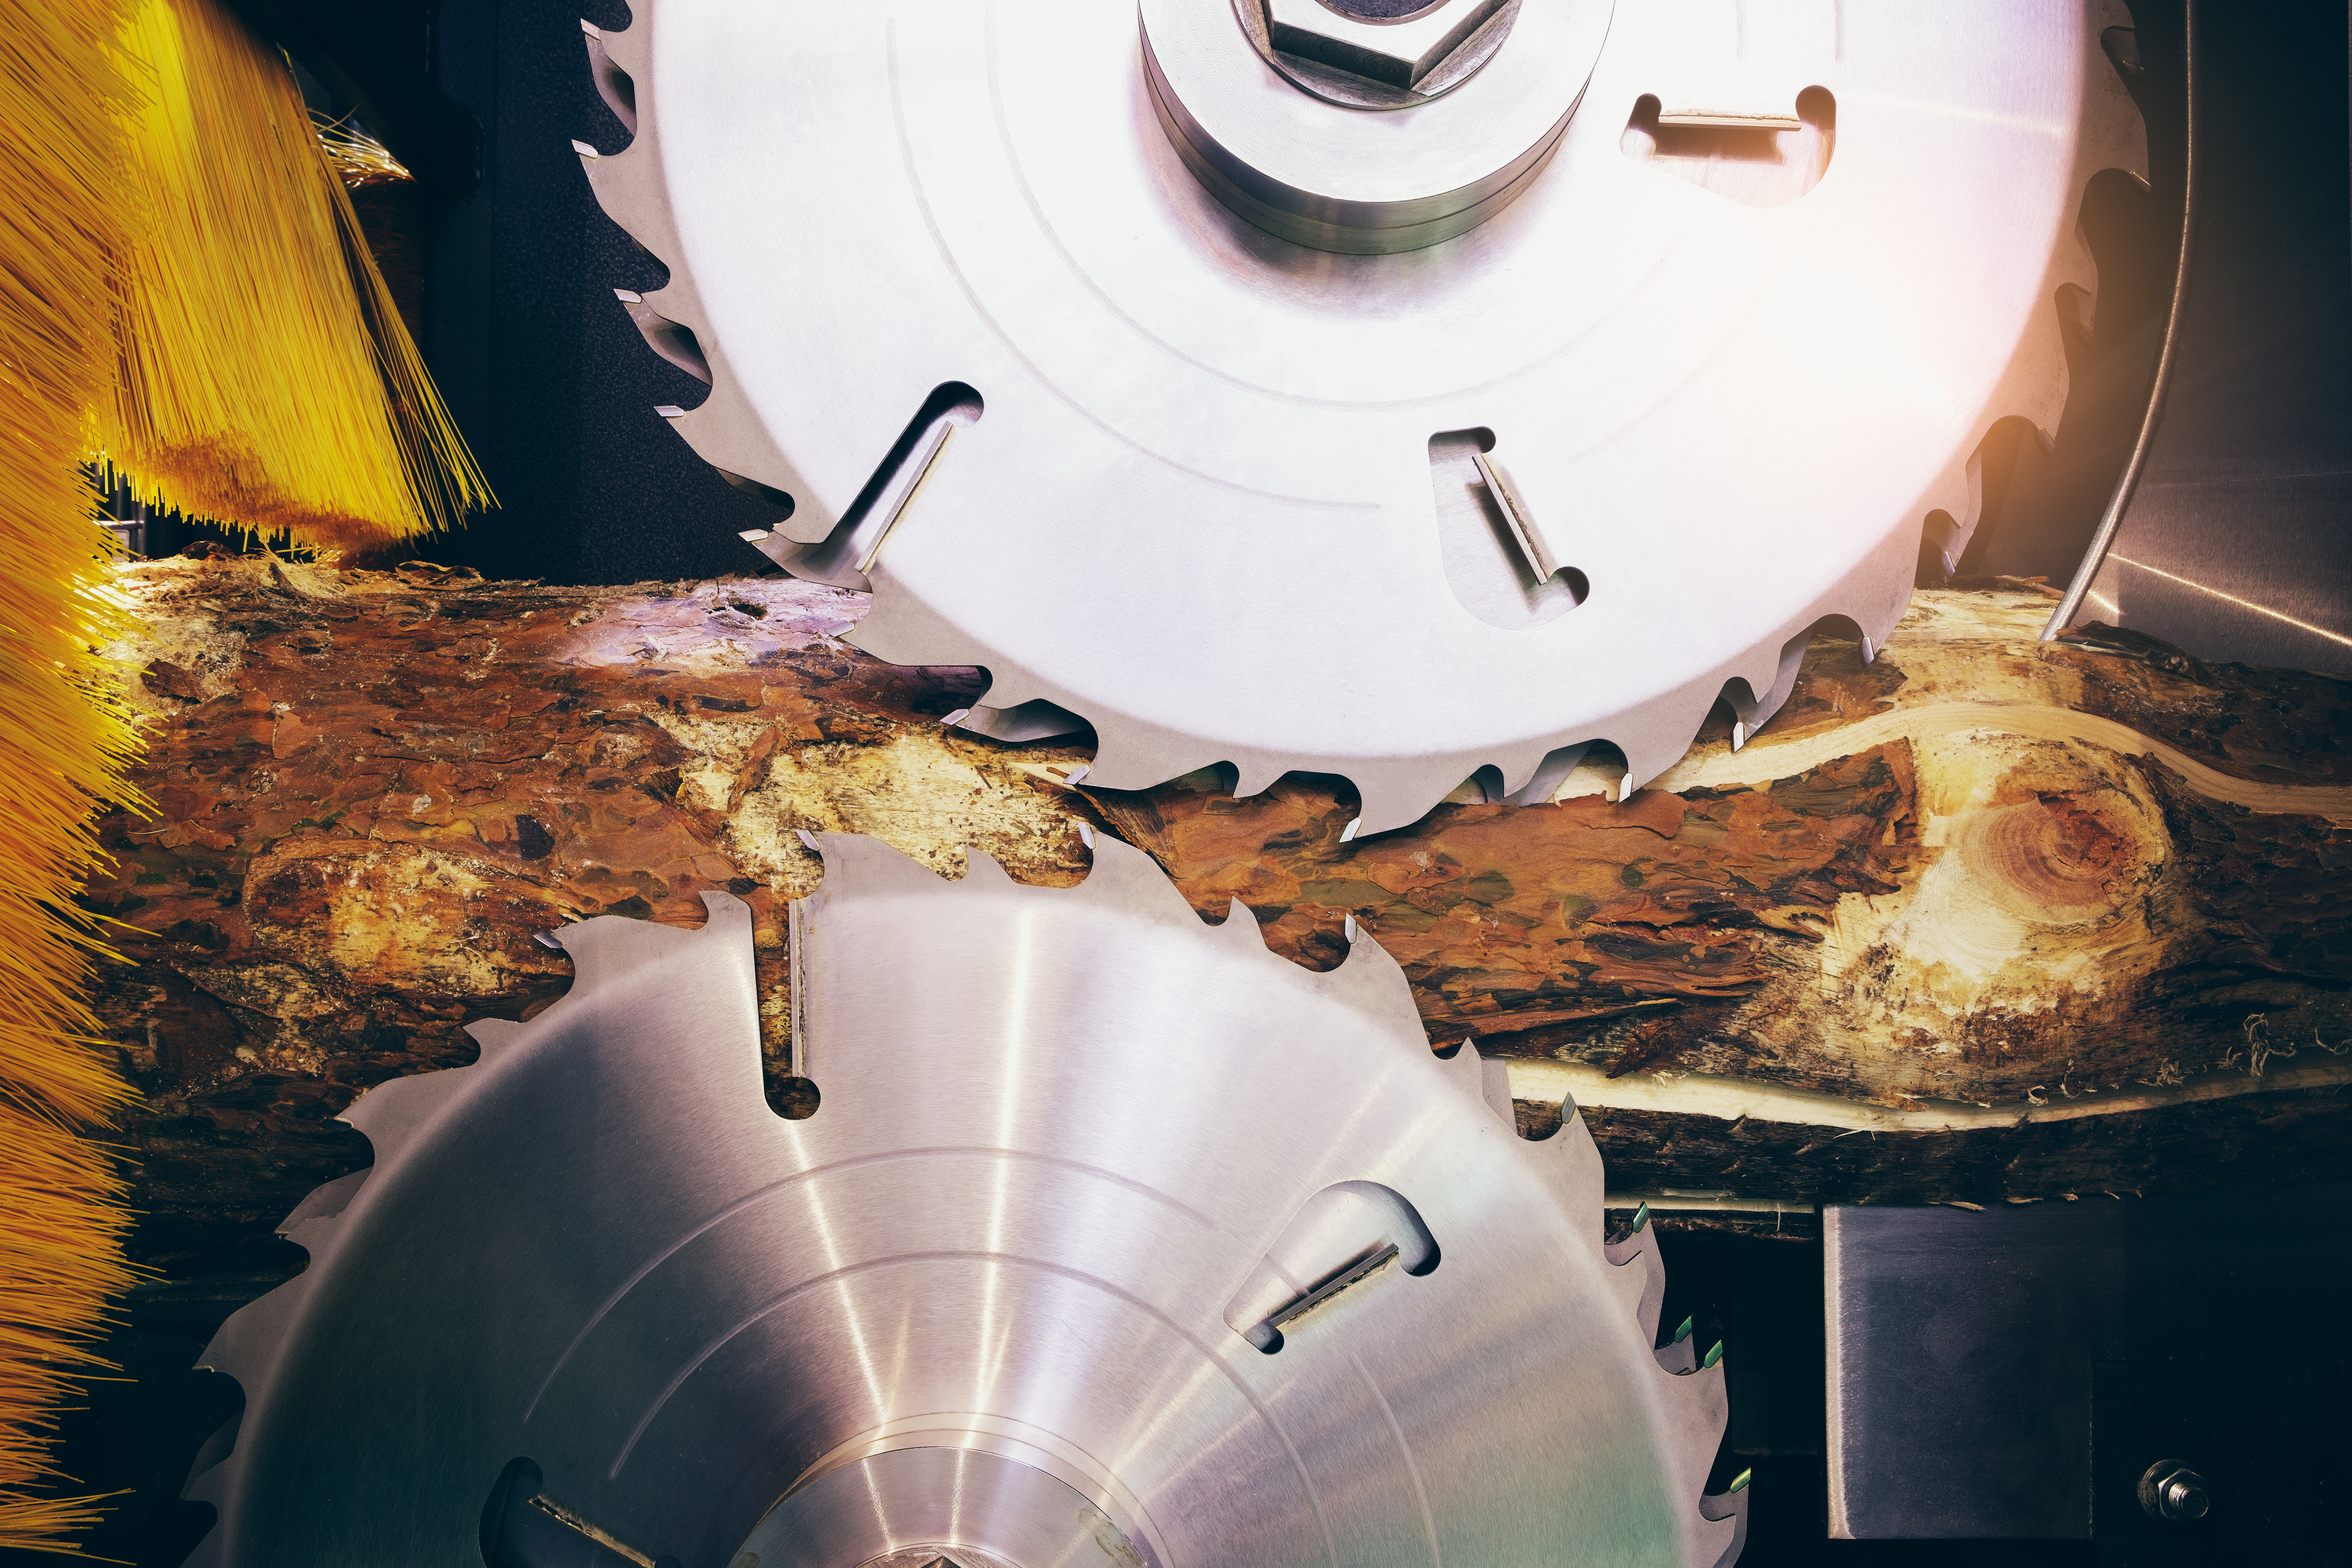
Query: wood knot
(2056,859)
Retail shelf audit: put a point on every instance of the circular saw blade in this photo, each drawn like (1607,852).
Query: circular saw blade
(1218,495)
(1116,1240)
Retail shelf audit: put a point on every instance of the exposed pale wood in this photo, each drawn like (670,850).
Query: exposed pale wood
(1978,875)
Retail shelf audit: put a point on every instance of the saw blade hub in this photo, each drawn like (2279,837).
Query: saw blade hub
(1368,135)
(1398,46)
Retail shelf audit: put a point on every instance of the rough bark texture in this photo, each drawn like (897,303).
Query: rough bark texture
(1978,871)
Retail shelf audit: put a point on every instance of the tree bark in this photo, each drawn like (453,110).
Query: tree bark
(1984,919)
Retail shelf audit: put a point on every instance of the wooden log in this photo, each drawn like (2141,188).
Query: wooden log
(1984,919)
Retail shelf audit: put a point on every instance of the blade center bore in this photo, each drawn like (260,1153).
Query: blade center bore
(940,1503)
(1369,126)
(936,1557)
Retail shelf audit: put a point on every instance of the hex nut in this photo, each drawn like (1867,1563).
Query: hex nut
(1397,54)
(2172,1493)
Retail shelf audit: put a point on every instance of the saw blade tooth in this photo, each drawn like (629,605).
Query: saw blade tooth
(495,1034)
(1400,793)
(1646,761)
(1760,709)
(1549,773)
(2114,134)
(211,1550)
(214,1448)
(391,1113)
(1495,1087)
(1254,776)
(325,1201)
(1239,924)
(1640,1280)
(1486,1079)
(1510,779)
(613,83)
(246,1346)
(1698,1408)
(1717,1549)
(673,341)
(724,430)
(981,869)
(1571,1162)
(1036,720)
(727,432)
(625,45)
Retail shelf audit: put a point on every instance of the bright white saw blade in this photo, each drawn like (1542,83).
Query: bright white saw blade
(1219,493)
(1116,1240)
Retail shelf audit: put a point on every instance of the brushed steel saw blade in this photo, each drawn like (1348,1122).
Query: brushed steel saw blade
(1116,1241)
(987,293)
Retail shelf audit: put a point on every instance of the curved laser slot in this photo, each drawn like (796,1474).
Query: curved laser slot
(1752,153)
(1500,560)
(522,1527)
(1341,1238)
(844,556)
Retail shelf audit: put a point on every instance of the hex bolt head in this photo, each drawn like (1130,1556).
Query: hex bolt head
(2172,1493)
(1397,53)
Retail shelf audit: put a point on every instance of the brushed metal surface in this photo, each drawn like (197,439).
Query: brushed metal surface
(1960,1355)
(1100,1203)
(1206,451)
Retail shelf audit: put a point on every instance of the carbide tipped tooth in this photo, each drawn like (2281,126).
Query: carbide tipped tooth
(1348,834)
(1683,1333)
(1712,1355)
(585,149)
(1738,734)
(1739,1482)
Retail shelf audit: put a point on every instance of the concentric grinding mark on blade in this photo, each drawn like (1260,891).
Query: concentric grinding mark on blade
(561,1250)
(1641,689)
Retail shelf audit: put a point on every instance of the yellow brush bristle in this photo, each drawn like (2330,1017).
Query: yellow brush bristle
(63,740)
(266,379)
(186,295)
